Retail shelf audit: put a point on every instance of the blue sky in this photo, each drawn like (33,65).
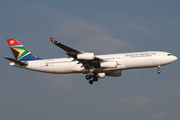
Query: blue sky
(99,26)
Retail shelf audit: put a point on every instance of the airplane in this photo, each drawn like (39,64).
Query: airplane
(94,66)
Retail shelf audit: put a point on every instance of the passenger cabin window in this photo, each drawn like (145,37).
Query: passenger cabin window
(169,54)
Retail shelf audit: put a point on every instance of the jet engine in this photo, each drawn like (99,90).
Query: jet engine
(109,64)
(100,75)
(114,74)
(86,56)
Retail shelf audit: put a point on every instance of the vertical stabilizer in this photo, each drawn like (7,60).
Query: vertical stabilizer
(20,52)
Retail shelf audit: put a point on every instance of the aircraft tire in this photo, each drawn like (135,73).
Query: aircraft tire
(88,77)
(95,79)
(158,71)
(91,82)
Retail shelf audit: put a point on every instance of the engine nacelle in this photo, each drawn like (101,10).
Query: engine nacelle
(100,75)
(114,74)
(109,64)
(85,56)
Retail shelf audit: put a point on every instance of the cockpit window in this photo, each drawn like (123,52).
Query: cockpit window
(169,54)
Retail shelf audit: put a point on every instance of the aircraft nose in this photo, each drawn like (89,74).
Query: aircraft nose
(174,58)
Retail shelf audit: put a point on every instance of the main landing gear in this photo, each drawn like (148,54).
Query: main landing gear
(159,71)
(94,78)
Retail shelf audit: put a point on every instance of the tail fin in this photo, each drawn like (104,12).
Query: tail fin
(20,52)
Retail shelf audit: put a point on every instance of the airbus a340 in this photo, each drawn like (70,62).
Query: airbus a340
(95,66)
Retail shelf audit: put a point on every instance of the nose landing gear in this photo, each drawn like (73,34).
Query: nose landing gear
(159,71)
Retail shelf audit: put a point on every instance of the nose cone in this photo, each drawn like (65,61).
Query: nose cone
(165,60)
(175,58)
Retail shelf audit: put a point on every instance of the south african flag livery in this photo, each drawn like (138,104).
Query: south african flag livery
(53,40)
(20,52)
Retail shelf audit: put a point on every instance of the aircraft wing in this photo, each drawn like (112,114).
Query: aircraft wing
(86,58)
(69,51)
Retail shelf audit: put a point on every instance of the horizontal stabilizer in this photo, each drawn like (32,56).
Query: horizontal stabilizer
(16,61)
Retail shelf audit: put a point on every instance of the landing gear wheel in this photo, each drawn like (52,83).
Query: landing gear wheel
(88,77)
(158,71)
(91,82)
(95,79)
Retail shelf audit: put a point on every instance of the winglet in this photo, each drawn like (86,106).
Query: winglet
(53,40)
(69,50)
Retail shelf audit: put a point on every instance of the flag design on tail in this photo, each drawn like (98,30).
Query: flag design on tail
(19,51)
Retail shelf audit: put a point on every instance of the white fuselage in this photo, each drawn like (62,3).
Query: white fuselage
(124,61)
